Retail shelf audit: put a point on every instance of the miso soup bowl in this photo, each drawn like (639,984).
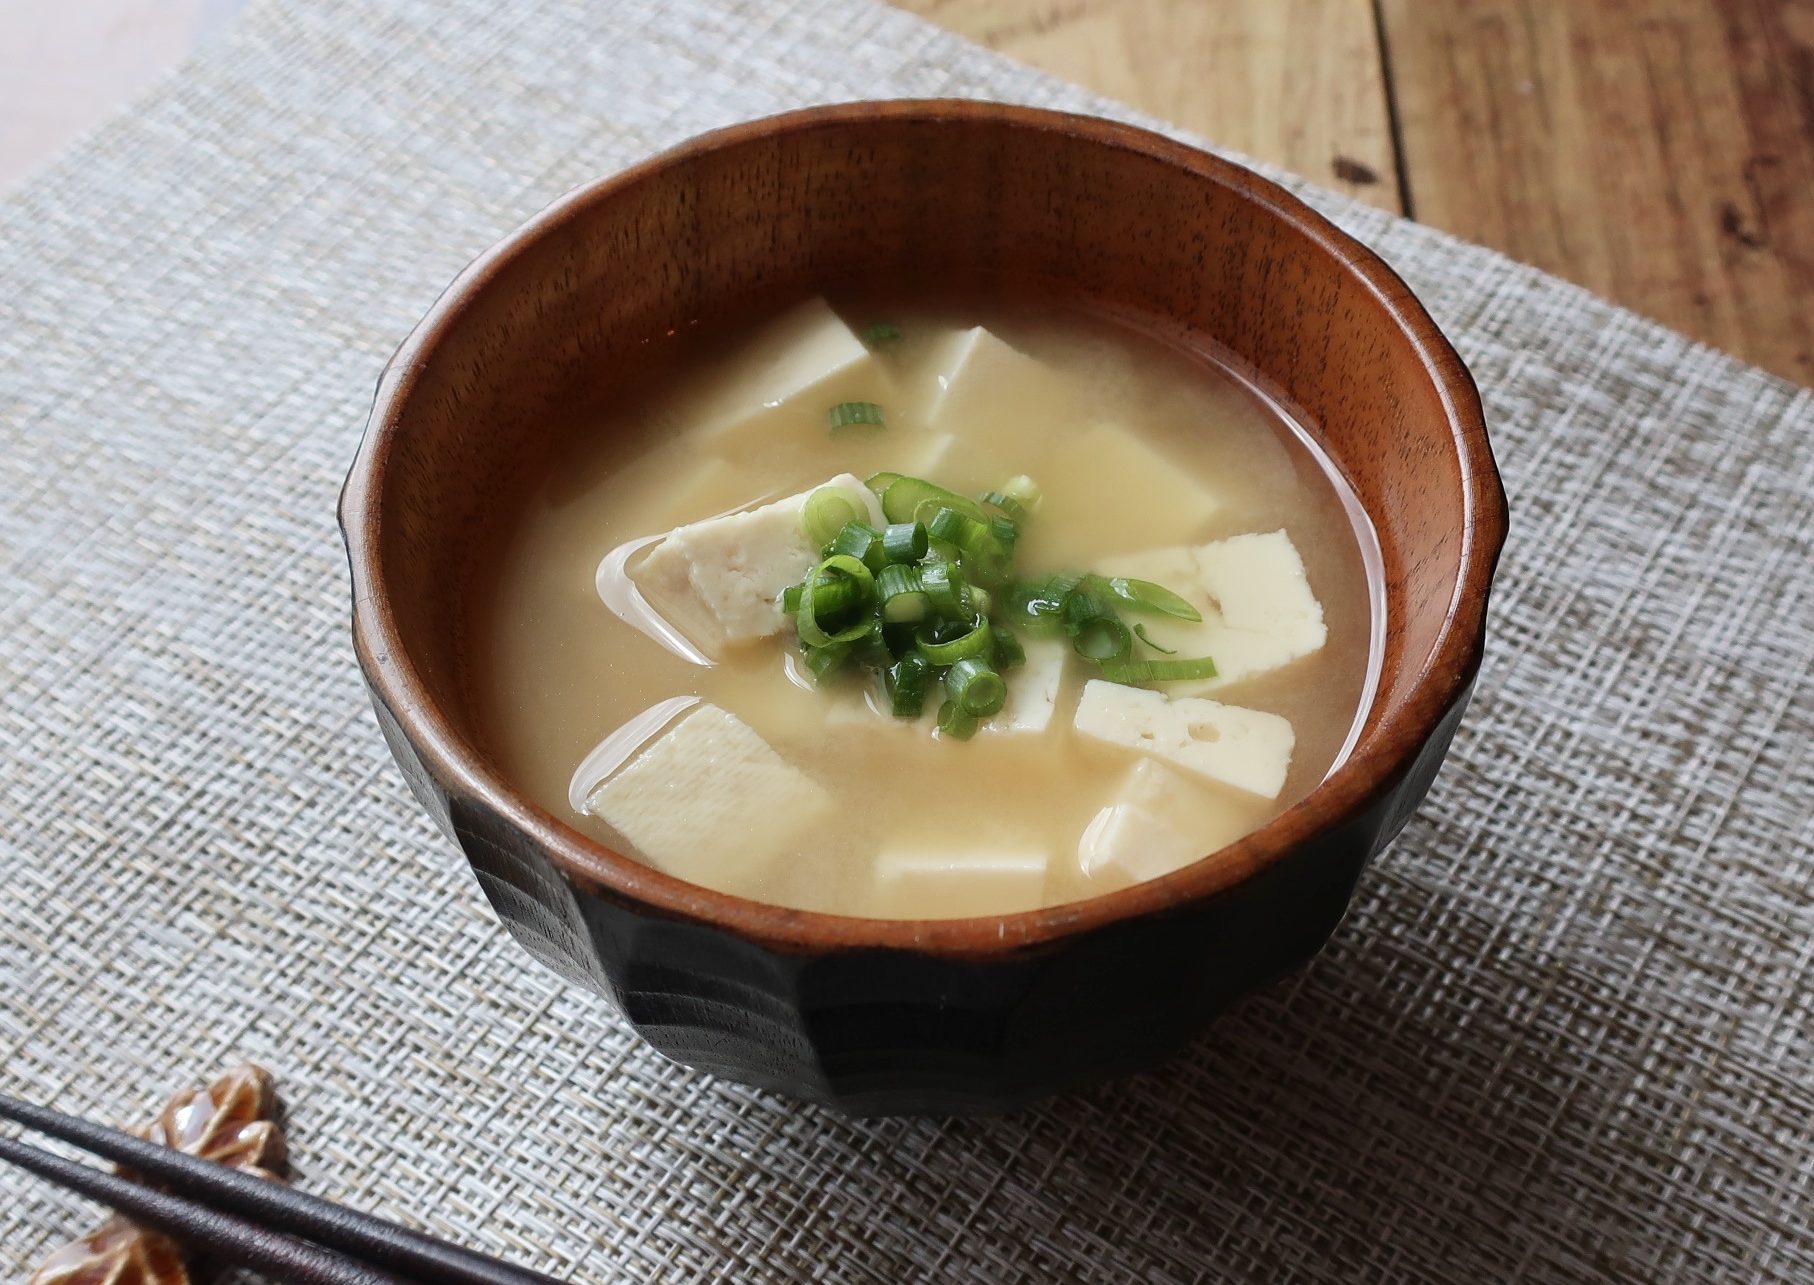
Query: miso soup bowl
(962,1015)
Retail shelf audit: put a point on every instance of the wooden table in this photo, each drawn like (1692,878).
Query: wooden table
(1660,152)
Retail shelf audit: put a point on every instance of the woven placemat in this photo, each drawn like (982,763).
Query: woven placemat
(1565,1033)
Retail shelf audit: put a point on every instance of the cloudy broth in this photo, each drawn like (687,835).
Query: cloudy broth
(558,672)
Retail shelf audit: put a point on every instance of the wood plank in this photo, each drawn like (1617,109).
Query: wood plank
(1297,83)
(1660,152)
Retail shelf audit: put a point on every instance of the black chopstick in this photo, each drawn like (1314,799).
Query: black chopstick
(231,1241)
(272,1206)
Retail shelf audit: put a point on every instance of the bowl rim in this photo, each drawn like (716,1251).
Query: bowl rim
(1390,739)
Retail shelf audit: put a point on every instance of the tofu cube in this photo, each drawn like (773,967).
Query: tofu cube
(783,380)
(710,800)
(1032,689)
(1158,821)
(975,375)
(719,581)
(1258,611)
(1107,468)
(929,883)
(1245,749)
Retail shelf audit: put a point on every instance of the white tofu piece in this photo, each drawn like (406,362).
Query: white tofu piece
(720,580)
(1032,689)
(1258,611)
(1246,749)
(785,378)
(1159,821)
(1108,468)
(928,883)
(951,463)
(710,800)
(975,373)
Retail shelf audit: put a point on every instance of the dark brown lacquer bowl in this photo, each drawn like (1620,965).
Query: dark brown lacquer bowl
(963,1015)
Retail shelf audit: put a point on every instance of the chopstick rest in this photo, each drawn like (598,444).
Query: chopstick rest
(232,1121)
(233,1214)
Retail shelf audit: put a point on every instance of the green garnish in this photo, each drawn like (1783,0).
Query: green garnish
(975,686)
(905,541)
(901,595)
(883,334)
(904,497)
(930,603)
(850,414)
(906,681)
(954,721)
(861,541)
(946,643)
(827,510)
(1140,633)
(1144,595)
(1158,671)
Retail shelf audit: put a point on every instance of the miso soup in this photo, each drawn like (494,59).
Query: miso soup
(913,613)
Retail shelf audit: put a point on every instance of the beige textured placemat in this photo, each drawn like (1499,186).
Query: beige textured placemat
(1564,1034)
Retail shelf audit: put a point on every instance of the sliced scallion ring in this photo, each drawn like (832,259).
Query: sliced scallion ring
(973,683)
(855,414)
(955,722)
(947,644)
(827,510)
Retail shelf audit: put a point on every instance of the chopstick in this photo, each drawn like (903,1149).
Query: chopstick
(232,1241)
(232,1213)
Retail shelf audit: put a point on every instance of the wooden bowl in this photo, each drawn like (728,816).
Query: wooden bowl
(878,1016)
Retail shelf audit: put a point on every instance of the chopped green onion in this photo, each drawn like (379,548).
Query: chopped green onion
(850,414)
(1038,605)
(967,533)
(981,600)
(1015,511)
(879,482)
(1103,639)
(806,616)
(905,541)
(954,721)
(1083,605)
(1140,632)
(1008,651)
(945,588)
(905,682)
(902,594)
(899,638)
(948,644)
(973,683)
(826,661)
(905,496)
(827,510)
(872,650)
(861,541)
(1144,595)
(1158,671)
(1005,532)
(882,334)
(829,597)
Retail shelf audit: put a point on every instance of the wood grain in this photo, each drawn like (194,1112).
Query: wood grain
(1297,83)
(1660,153)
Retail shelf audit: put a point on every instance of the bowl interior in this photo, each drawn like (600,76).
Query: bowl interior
(1009,203)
